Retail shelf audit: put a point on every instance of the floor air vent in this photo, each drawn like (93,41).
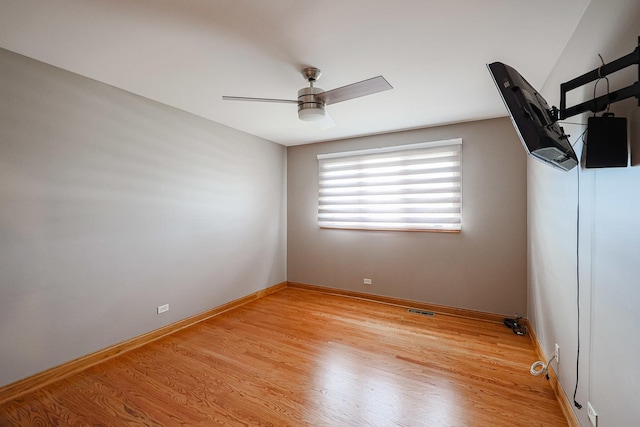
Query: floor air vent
(423,312)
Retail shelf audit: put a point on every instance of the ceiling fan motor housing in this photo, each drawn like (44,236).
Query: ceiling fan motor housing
(310,107)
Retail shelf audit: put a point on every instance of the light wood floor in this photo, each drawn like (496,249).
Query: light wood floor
(299,357)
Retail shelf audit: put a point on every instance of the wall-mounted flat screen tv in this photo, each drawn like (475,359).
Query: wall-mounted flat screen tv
(539,132)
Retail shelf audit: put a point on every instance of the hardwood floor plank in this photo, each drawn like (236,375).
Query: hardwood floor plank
(299,357)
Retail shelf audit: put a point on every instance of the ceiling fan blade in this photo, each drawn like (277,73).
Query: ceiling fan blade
(244,98)
(327,122)
(355,90)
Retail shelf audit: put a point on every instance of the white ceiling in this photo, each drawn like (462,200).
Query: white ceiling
(188,53)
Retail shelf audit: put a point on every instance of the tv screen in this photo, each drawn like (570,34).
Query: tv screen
(539,132)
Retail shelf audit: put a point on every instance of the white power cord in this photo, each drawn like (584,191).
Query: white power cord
(540,368)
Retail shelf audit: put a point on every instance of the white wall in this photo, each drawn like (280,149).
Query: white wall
(111,204)
(481,268)
(609,244)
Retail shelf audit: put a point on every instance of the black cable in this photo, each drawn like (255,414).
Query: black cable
(573,146)
(596,85)
(575,390)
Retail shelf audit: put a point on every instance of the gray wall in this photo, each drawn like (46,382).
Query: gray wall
(111,205)
(609,238)
(481,268)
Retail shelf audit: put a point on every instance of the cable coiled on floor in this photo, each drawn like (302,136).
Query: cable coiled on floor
(540,368)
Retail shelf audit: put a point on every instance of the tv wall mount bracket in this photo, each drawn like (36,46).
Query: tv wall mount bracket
(600,103)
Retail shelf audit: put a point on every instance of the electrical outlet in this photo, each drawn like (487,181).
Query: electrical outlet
(557,354)
(163,308)
(593,416)
(367,281)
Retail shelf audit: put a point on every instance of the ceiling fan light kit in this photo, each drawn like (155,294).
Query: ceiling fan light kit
(310,107)
(312,100)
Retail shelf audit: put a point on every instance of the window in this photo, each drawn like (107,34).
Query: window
(407,187)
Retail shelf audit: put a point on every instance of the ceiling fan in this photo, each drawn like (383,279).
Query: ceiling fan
(312,100)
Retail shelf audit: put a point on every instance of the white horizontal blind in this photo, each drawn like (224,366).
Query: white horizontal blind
(408,187)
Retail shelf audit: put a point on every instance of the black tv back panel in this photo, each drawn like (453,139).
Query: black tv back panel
(532,118)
